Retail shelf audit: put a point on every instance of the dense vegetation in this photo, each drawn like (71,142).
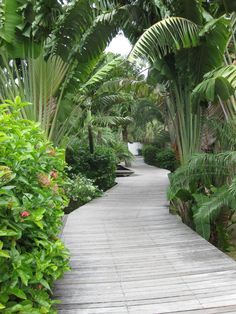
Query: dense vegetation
(32,178)
(90,103)
(99,166)
(195,65)
(160,157)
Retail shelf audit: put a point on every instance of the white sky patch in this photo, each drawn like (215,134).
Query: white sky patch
(120,45)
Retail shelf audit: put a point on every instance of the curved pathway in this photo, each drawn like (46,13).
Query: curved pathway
(129,255)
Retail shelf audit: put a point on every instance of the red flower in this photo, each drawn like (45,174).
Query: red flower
(25,214)
(54,174)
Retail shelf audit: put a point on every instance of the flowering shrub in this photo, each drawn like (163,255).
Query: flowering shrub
(31,203)
(80,191)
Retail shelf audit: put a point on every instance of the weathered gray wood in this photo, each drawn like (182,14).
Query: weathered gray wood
(129,255)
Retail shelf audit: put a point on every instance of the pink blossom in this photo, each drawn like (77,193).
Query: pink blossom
(54,174)
(44,180)
(25,214)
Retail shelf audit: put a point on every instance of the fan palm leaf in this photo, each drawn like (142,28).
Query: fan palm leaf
(166,36)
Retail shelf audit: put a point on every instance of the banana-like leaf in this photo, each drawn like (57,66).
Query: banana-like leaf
(166,36)
(228,72)
(218,83)
(213,88)
(10,19)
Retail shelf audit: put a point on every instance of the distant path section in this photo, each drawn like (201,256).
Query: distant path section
(129,255)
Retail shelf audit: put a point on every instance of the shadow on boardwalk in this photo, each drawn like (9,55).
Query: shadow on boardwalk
(129,255)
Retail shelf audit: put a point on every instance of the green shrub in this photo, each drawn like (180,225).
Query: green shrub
(122,152)
(80,191)
(166,159)
(161,158)
(99,166)
(149,154)
(31,201)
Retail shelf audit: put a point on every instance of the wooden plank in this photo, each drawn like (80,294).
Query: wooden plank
(129,255)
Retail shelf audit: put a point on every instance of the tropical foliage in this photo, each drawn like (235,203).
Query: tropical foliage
(189,47)
(32,198)
(172,49)
(175,93)
(160,157)
(99,166)
(80,190)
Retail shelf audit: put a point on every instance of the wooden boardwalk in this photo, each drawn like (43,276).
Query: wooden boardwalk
(129,255)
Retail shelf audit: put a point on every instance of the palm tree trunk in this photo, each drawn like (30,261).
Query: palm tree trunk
(90,138)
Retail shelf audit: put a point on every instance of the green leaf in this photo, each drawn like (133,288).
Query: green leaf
(212,88)
(8,187)
(4,254)
(8,233)
(23,276)
(184,195)
(103,72)
(38,213)
(39,224)
(18,292)
(2,306)
(11,20)
(204,229)
(45,284)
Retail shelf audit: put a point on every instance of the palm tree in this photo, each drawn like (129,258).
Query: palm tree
(170,47)
(46,56)
(172,34)
(102,101)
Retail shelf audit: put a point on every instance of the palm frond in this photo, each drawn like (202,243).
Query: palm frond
(39,83)
(105,103)
(102,73)
(106,120)
(210,210)
(71,26)
(204,168)
(166,36)
(225,133)
(125,86)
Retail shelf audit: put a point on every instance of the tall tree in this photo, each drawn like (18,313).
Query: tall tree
(170,46)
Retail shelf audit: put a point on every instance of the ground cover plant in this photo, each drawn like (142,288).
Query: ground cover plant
(32,199)
(80,190)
